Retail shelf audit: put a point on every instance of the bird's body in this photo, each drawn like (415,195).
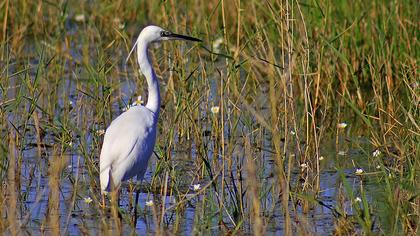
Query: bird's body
(130,139)
(135,128)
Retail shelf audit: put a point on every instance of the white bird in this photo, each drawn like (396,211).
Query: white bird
(130,139)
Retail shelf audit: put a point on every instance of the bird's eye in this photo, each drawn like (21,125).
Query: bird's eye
(164,33)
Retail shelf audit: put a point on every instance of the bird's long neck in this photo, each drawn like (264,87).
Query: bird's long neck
(153,100)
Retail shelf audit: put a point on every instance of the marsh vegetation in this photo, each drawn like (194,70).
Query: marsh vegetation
(290,118)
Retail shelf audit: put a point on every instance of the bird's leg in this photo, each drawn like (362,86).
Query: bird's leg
(136,203)
(130,189)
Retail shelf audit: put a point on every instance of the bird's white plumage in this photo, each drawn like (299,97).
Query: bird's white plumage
(130,139)
(128,145)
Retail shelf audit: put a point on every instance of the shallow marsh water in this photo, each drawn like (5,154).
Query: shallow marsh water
(293,118)
(79,216)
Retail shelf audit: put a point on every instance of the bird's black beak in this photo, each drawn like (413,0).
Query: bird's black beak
(182,37)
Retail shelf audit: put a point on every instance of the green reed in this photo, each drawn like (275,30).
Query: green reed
(283,74)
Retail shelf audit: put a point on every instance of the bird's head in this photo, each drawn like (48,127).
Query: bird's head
(153,33)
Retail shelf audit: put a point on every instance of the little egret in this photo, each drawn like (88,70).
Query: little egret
(130,139)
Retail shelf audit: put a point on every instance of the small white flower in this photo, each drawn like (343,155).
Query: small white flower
(359,171)
(215,109)
(100,132)
(376,153)
(88,200)
(70,103)
(342,125)
(117,21)
(342,153)
(149,203)
(304,165)
(216,44)
(292,132)
(138,102)
(196,187)
(357,199)
(79,17)
(378,167)
(321,158)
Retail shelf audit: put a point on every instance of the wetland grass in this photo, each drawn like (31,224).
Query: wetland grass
(291,117)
